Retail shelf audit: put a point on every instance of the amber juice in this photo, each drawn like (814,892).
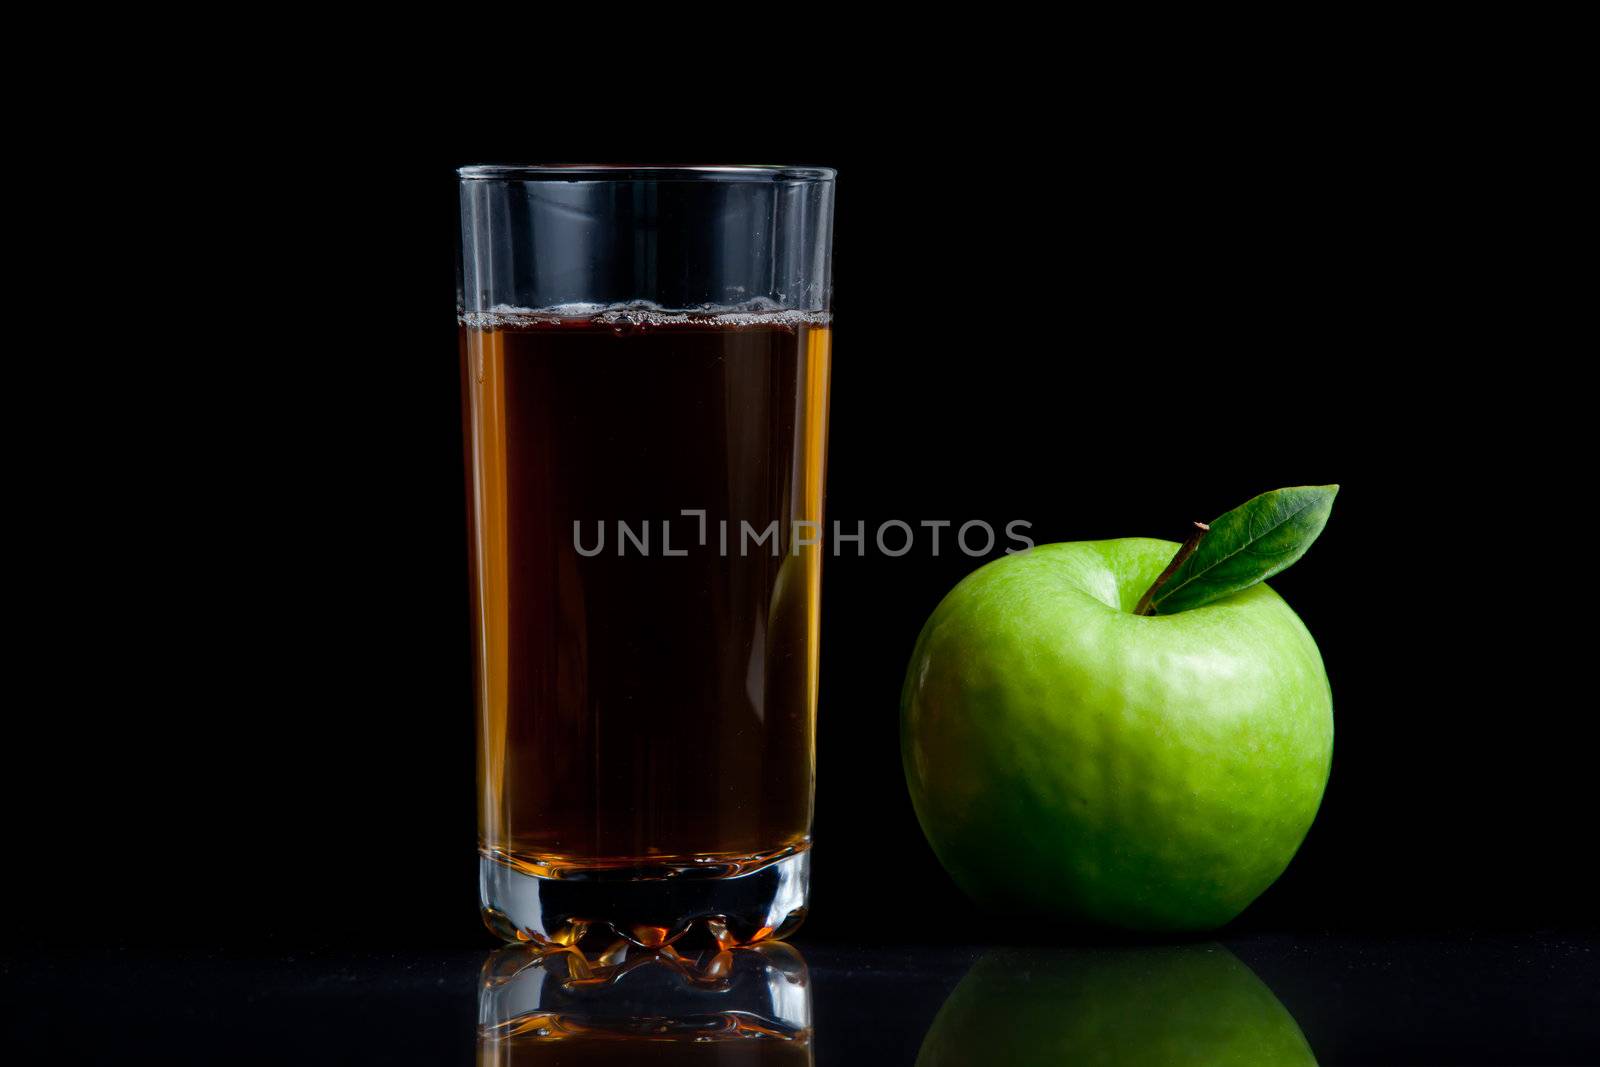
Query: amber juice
(644,708)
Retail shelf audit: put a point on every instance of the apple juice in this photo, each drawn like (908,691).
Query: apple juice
(646,698)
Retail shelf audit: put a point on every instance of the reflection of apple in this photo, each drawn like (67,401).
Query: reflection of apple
(1141,1007)
(1070,759)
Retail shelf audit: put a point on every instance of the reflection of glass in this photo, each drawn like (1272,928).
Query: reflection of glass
(629,1005)
(1140,1006)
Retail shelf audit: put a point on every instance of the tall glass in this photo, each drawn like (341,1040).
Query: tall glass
(645,357)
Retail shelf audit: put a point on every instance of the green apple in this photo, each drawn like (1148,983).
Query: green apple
(1071,759)
(1195,1004)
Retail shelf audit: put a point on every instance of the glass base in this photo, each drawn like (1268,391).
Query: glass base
(736,904)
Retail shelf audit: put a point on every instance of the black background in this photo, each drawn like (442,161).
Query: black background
(253,714)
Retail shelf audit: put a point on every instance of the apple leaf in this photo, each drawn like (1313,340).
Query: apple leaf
(1247,545)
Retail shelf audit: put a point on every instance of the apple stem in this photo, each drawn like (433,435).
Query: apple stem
(1147,602)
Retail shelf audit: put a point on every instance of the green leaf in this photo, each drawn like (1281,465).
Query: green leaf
(1249,544)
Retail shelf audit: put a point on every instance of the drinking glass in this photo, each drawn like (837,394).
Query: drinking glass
(645,362)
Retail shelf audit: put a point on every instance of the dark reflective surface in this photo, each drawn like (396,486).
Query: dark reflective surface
(1531,999)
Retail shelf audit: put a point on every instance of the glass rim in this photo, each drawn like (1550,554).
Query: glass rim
(623,172)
